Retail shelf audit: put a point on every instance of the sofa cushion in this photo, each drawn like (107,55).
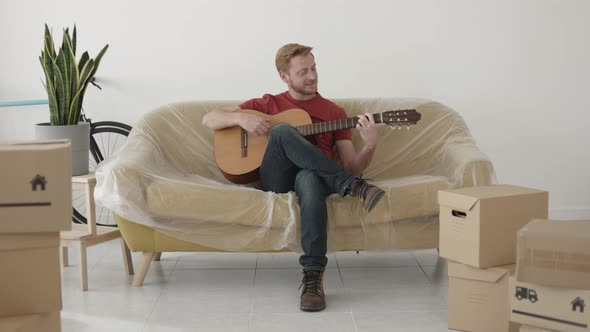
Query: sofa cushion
(406,198)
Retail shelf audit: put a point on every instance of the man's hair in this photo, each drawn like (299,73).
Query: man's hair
(288,52)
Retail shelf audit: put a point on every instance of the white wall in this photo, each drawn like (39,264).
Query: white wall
(518,71)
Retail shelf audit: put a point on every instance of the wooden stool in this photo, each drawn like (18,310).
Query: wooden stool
(84,236)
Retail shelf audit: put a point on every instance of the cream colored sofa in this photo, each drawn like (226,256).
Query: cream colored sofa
(168,195)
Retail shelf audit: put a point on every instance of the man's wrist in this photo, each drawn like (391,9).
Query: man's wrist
(370,147)
(238,118)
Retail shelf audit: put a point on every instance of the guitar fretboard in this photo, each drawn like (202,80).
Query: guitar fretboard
(333,125)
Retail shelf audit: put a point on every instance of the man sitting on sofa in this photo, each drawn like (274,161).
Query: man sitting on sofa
(306,165)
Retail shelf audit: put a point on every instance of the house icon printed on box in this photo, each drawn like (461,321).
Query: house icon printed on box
(578,303)
(38,180)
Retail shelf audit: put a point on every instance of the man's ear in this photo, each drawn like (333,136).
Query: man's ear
(284,76)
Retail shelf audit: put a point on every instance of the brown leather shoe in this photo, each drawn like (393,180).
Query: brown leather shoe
(370,194)
(312,296)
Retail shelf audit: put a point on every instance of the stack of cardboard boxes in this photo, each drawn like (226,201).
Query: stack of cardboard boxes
(35,205)
(551,288)
(478,228)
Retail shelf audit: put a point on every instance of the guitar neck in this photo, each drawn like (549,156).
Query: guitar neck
(333,125)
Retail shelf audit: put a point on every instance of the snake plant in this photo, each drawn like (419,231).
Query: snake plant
(66,80)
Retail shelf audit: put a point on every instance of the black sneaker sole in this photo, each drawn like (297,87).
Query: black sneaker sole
(311,309)
(374,200)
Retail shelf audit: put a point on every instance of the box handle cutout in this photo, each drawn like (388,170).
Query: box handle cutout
(459,214)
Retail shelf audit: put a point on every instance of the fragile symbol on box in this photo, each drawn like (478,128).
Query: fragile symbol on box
(578,303)
(525,293)
(38,181)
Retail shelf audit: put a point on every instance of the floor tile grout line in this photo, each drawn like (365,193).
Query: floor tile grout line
(173,269)
(415,259)
(340,274)
(93,265)
(353,321)
(400,311)
(159,296)
(345,291)
(377,267)
(425,274)
(421,268)
(252,291)
(214,268)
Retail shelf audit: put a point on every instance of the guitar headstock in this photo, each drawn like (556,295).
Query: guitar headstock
(401,118)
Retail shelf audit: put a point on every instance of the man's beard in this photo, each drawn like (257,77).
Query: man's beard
(306,90)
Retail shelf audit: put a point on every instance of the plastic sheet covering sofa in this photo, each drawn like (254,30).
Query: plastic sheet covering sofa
(168,194)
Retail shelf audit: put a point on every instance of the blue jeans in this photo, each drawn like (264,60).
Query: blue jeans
(293,163)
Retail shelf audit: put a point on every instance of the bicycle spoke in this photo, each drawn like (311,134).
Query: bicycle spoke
(114,145)
(102,144)
(108,146)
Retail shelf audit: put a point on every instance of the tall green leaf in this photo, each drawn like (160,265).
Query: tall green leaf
(53,116)
(97,60)
(64,66)
(49,48)
(85,77)
(91,75)
(83,61)
(72,71)
(62,96)
(47,65)
(59,89)
(73,106)
(74,41)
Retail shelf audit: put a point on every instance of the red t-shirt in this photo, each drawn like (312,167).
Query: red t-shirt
(318,108)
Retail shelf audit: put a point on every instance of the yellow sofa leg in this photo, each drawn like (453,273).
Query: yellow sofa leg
(144,266)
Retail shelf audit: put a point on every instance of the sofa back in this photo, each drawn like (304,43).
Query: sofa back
(176,131)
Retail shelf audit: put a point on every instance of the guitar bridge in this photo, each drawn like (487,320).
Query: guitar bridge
(244,143)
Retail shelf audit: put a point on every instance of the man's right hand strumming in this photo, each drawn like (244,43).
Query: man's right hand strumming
(254,124)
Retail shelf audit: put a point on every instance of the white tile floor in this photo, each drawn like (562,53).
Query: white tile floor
(396,291)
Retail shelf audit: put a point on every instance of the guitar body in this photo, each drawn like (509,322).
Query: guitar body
(240,162)
(239,154)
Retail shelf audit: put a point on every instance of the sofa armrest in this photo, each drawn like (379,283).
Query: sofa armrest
(466,166)
(122,182)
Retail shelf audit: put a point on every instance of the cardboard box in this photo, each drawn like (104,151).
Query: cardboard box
(478,224)
(528,328)
(30,279)
(554,253)
(559,309)
(478,298)
(35,186)
(46,322)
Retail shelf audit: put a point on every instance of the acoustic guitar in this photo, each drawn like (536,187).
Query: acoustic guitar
(239,154)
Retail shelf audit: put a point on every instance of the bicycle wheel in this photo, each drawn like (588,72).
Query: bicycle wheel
(106,139)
